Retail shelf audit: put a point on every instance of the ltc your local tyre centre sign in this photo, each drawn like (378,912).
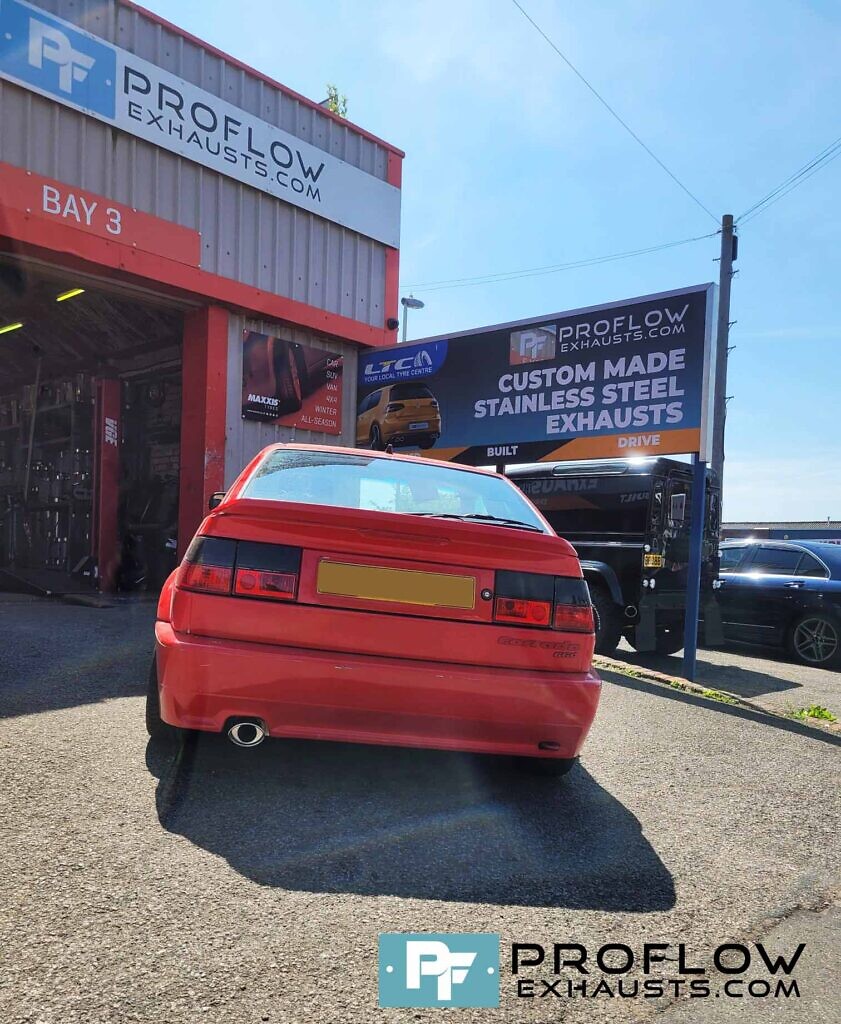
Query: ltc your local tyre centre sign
(628,378)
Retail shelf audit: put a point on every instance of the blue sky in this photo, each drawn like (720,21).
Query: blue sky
(511,163)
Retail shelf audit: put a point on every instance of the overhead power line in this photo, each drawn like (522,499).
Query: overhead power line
(612,112)
(793,181)
(555,268)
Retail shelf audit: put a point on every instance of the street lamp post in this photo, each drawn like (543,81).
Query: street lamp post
(409,302)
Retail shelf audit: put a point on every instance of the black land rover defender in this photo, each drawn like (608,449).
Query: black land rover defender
(629,521)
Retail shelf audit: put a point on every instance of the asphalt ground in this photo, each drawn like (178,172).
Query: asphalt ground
(765,676)
(148,883)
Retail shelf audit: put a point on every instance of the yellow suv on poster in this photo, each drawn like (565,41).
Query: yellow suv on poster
(403,415)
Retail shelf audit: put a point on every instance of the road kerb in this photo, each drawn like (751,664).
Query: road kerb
(712,694)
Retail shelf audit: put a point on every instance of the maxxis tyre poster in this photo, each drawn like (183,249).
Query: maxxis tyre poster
(290,384)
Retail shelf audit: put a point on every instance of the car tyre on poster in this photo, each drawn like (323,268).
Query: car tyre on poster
(290,384)
(289,388)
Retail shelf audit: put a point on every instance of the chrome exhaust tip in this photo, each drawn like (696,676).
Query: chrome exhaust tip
(247,733)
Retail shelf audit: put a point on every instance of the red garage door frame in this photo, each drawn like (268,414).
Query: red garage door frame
(68,247)
(60,244)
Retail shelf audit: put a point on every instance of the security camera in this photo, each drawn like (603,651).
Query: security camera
(392,323)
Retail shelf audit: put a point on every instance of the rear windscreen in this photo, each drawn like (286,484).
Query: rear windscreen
(379,484)
(401,392)
(591,504)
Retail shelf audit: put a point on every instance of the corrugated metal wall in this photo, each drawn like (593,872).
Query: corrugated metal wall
(244,438)
(246,235)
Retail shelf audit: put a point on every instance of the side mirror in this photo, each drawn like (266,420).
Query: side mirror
(215,499)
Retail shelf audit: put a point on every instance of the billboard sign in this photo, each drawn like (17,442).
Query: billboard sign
(628,378)
(50,56)
(290,384)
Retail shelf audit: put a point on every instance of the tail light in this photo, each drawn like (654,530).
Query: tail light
(394,407)
(573,607)
(524,599)
(213,579)
(574,619)
(208,566)
(531,599)
(522,613)
(215,565)
(267,570)
(255,583)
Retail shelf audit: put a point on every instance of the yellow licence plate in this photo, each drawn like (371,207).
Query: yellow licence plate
(402,586)
(652,561)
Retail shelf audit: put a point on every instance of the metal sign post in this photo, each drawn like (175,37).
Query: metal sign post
(693,576)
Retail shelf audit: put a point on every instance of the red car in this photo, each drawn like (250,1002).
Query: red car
(361,596)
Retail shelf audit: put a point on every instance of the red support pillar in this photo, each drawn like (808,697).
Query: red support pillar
(106,481)
(394,176)
(204,367)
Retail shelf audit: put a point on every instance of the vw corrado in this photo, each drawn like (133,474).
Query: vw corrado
(337,594)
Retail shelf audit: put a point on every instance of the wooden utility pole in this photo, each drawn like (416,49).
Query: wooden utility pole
(729,252)
(725,277)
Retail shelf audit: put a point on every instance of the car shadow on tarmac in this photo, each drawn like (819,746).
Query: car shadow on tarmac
(771,719)
(733,678)
(342,818)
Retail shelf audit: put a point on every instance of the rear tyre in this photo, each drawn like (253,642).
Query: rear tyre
(815,639)
(426,442)
(608,619)
(156,727)
(669,639)
(548,767)
(376,438)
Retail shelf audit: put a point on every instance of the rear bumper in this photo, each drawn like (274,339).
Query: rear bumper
(410,436)
(364,699)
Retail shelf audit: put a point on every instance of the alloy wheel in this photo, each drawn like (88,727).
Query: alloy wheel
(815,640)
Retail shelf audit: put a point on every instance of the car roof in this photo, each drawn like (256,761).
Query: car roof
(827,552)
(643,466)
(333,449)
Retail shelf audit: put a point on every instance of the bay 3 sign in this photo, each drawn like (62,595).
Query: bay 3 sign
(56,59)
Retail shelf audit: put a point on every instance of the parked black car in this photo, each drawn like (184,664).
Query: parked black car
(783,593)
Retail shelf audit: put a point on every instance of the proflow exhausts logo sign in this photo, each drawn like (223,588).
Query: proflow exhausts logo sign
(447,969)
(56,59)
(52,57)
